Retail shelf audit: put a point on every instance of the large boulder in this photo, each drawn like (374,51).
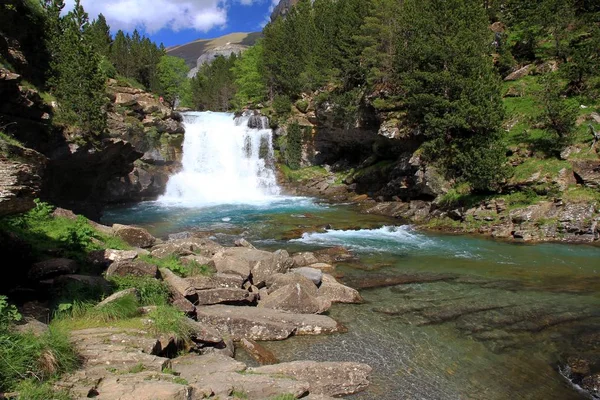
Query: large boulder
(263,323)
(304,259)
(203,282)
(52,268)
(328,378)
(20,178)
(226,264)
(587,173)
(224,296)
(296,299)
(134,236)
(132,268)
(178,286)
(335,292)
(279,262)
(277,281)
(185,247)
(313,274)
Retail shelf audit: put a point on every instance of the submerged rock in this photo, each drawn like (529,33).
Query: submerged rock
(327,378)
(335,292)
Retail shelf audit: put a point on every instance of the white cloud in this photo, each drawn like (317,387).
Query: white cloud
(153,15)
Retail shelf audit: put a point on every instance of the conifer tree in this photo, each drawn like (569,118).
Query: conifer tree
(452,91)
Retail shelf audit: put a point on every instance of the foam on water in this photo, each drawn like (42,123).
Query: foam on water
(225,161)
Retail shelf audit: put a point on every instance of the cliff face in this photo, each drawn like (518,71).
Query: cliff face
(283,8)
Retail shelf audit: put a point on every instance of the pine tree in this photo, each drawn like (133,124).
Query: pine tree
(77,81)
(99,36)
(452,90)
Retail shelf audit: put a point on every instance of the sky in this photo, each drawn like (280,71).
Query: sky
(175,22)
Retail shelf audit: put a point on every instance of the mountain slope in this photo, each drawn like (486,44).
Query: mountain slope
(192,51)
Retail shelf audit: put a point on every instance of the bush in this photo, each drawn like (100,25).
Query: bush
(293,148)
(282,105)
(26,356)
(559,114)
(151,291)
(168,320)
(302,106)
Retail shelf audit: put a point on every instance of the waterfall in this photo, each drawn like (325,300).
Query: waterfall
(226,160)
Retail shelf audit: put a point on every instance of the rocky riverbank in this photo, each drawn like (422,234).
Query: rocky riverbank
(547,219)
(231,298)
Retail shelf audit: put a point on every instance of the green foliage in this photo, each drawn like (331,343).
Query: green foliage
(172,78)
(302,106)
(169,320)
(8,314)
(293,148)
(172,263)
(66,237)
(248,72)
(282,105)
(76,78)
(151,291)
(559,114)
(452,90)
(40,358)
(213,88)
(283,397)
(32,389)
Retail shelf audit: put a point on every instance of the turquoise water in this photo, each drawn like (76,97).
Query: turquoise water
(445,317)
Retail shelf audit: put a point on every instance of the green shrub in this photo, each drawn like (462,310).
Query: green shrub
(26,356)
(151,291)
(282,105)
(168,320)
(8,314)
(31,389)
(79,236)
(302,106)
(173,264)
(293,148)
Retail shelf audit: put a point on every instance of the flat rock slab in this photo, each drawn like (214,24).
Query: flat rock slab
(194,368)
(141,386)
(224,295)
(202,282)
(296,299)
(177,285)
(263,323)
(327,378)
(117,296)
(254,387)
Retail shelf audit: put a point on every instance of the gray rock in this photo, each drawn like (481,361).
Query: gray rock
(201,332)
(277,281)
(177,285)
(31,325)
(117,296)
(224,296)
(227,264)
(279,262)
(335,292)
(304,259)
(134,236)
(313,274)
(296,299)
(203,282)
(52,268)
(132,268)
(263,323)
(185,247)
(200,260)
(244,243)
(327,378)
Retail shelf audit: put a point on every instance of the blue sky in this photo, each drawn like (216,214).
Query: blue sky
(180,21)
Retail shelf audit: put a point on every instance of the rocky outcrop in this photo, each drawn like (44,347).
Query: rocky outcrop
(153,130)
(208,57)
(21,172)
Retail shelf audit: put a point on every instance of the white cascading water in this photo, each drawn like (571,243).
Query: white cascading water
(226,160)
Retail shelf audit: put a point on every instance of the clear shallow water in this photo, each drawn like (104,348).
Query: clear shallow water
(446,317)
